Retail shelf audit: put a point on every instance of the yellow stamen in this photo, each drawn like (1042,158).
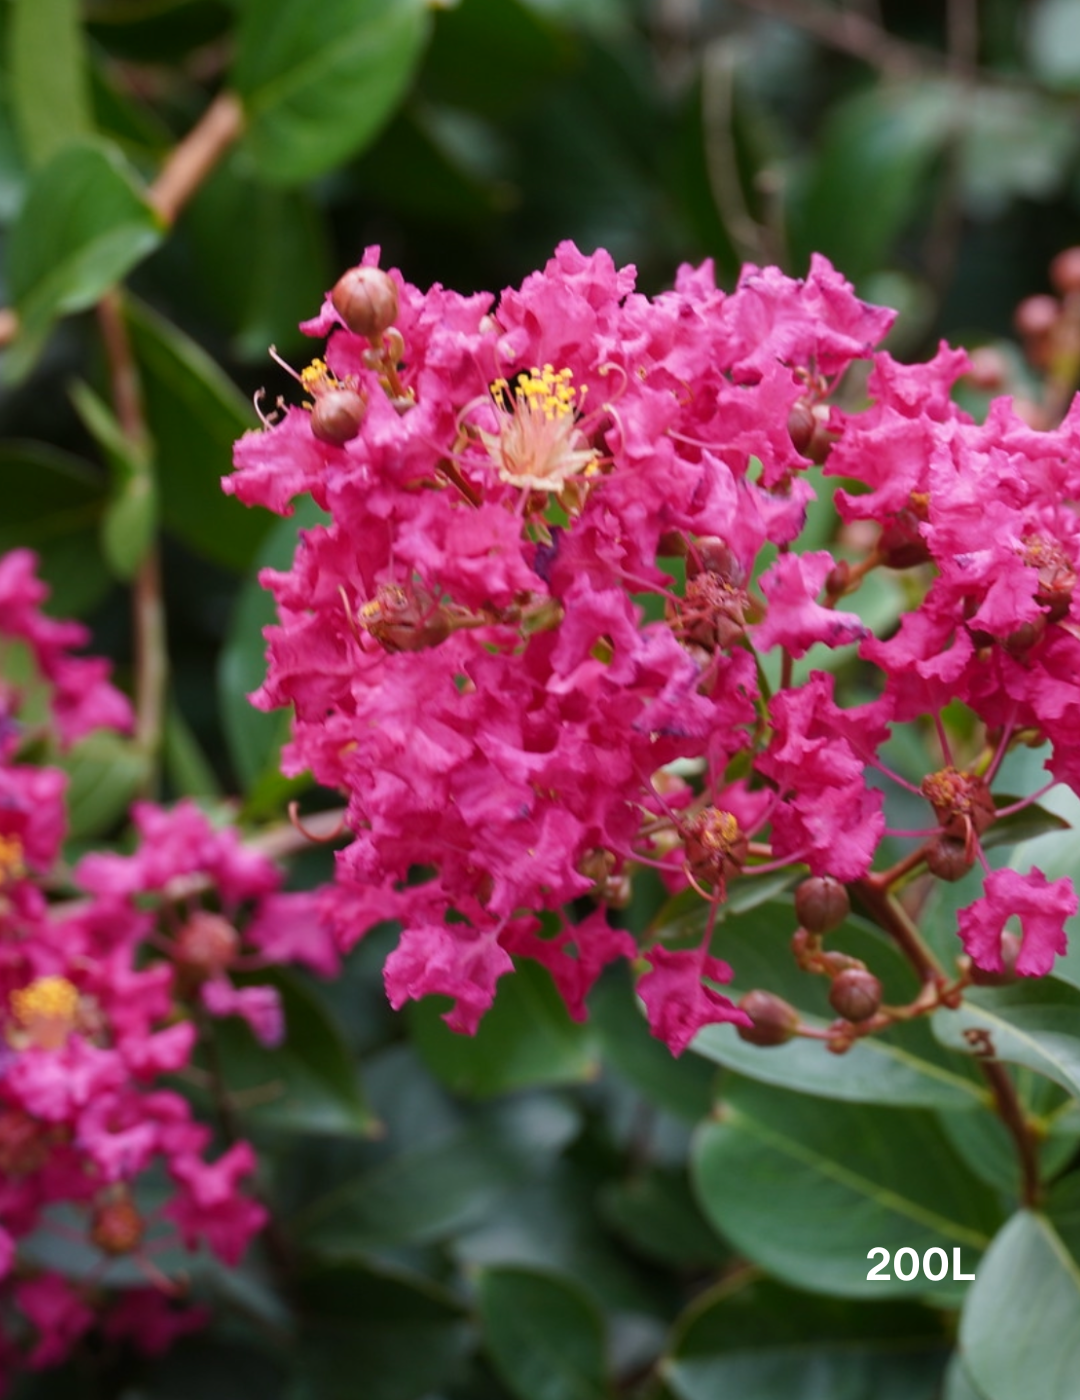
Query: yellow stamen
(46,1011)
(12,866)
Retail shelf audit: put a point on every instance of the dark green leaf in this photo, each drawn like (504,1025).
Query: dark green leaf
(156,31)
(545,1339)
(83,227)
(807,1188)
(128,526)
(657,1215)
(318,82)
(190,771)
(309,1083)
(1020,1329)
(764,1342)
(254,737)
(1024,825)
(526,1039)
(195,415)
(47,67)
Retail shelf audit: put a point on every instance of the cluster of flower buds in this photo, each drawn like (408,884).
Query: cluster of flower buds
(103,994)
(548,637)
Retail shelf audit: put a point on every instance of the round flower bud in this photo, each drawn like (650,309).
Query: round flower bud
(821,903)
(775,1021)
(800,425)
(989,369)
(855,994)
(947,858)
(337,415)
(1037,316)
(117,1227)
(1065,271)
(366,299)
(206,945)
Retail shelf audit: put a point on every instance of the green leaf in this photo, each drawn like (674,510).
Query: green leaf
(156,31)
(83,227)
(869,177)
(806,1189)
(903,1066)
(417,1191)
(1054,42)
(375,1332)
(53,503)
(255,737)
(1025,825)
(318,82)
(189,769)
(657,1215)
(545,1339)
(526,1039)
(1020,1329)
(50,93)
(309,1083)
(128,526)
(1036,1024)
(195,414)
(106,772)
(764,1342)
(958,1383)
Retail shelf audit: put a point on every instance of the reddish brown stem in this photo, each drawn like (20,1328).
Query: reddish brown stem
(1012,1115)
(890,915)
(196,155)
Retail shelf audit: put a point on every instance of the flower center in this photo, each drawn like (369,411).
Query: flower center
(961,801)
(46,1011)
(538,443)
(12,866)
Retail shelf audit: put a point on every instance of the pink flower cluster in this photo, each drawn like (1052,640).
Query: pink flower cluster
(100,997)
(530,644)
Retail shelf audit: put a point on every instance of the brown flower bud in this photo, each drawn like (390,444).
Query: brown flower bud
(855,994)
(366,299)
(712,555)
(774,1020)
(821,903)
(947,858)
(1065,271)
(117,1227)
(336,416)
(1020,641)
(206,945)
(1037,316)
(800,425)
(1010,950)
(989,369)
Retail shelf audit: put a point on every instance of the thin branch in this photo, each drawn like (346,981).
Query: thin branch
(750,238)
(9,326)
(890,915)
(1011,1113)
(851,33)
(196,156)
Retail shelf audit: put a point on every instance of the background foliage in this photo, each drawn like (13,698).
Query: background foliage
(547,1212)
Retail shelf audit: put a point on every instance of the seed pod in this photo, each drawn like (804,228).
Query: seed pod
(206,945)
(775,1021)
(117,1227)
(947,858)
(855,994)
(366,299)
(1065,271)
(800,425)
(821,903)
(337,415)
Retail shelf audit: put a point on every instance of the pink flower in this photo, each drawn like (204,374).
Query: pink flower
(678,1002)
(210,1205)
(1042,907)
(260,1007)
(795,619)
(58,1313)
(451,960)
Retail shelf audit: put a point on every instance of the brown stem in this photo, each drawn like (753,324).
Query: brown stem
(889,914)
(885,879)
(1012,1115)
(196,155)
(148,609)
(9,326)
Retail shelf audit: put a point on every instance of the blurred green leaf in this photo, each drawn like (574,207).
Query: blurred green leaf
(195,414)
(545,1339)
(958,1383)
(215,1368)
(1053,35)
(1034,1023)
(526,1039)
(307,1084)
(764,1342)
(1020,1329)
(53,503)
(106,772)
(255,737)
(1025,825)
(868,177)
(128,526)
(656,1214)
(50,93)
(1014,143)
(317,83)
(188,767)
(84,226)
(806,1188)
(373,1332)
(155,31)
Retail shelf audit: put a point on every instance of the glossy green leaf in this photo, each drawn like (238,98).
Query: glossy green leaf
(195,414)
(317,82)
(53,503)
(376,1332)
(1020,1329)
(128,525)
(50,95)
(544,1338)
(307,1084)
(1036,1024)
(806,1189)
(764,1342)
(105,773)
(83,227)
(255,737)
(526,1039)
